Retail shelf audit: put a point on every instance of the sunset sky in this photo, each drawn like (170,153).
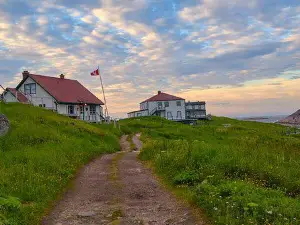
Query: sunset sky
(240,56)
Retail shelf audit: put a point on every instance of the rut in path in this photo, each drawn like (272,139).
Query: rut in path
(118,189)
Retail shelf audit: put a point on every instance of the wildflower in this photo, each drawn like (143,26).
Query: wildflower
(269,212)
(215,208)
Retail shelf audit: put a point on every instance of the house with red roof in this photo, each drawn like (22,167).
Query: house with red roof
(163,105)
(12,95)
(65,96)
(170,107)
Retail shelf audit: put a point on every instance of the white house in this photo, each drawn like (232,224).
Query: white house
(163,105)
(12,95)
(65,96)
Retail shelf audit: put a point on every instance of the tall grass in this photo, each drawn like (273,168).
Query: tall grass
(39,156)
(239,172)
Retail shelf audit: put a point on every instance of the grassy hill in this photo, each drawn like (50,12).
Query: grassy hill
(238,172)
(39,156)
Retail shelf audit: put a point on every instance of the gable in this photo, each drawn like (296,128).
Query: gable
(40,91)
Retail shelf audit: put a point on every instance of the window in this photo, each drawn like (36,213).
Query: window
(197,106)
(81,108)
(178,103)
(139,114)
(70,109)
(166,104)
(159,105)
(202,106)
(92,109)
(30,89)
(179,115)
(42,105)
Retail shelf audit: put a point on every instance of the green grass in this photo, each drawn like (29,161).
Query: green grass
(40,155)
(241,173)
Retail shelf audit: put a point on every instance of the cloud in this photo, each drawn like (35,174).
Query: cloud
(200,50)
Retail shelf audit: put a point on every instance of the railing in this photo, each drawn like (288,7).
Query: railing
(153,111)
(91,117)
(101,116)
(26,95)
(161,108)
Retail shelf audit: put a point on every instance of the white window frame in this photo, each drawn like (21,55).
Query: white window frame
(81,109)
(159,105)
(30,88)
(167,104)
(93,109)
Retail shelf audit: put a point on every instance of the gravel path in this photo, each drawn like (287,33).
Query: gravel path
(118,189)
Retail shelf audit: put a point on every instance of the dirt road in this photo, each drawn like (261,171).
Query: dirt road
(118,189)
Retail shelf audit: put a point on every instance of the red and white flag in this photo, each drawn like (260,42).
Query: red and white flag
(95,73)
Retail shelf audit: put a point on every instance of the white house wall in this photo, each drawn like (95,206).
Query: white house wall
(173,108)
(41,97)
(9,97)
(63,109)
(138,114)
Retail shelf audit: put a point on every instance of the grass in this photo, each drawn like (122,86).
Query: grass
(130,140)
(238,172)
(40,155)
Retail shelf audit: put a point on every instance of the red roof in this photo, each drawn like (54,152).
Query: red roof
(161,96)
(66,90)
(21,97)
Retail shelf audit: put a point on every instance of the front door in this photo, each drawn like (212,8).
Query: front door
(81,111)
(179,115)
(169,116)
(71,109)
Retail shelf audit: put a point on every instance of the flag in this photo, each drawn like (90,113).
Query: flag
(95,73)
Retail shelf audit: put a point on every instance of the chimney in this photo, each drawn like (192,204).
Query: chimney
(62,76)
(159,92)
(25,74)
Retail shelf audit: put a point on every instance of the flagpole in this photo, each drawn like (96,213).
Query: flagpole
(106,110)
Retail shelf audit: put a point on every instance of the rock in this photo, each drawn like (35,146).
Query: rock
(86,214)
(4,125)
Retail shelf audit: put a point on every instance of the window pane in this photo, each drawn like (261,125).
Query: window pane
(178,103)
(33,88)
(166,104)
(27,89)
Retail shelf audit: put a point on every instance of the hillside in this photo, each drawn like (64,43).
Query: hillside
(238,172)
(39,156)
(292,119)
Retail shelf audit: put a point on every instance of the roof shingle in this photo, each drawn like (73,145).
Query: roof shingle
(161,96)
(66,90)
(21,98)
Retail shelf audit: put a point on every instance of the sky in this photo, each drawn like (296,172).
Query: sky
(240,56)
